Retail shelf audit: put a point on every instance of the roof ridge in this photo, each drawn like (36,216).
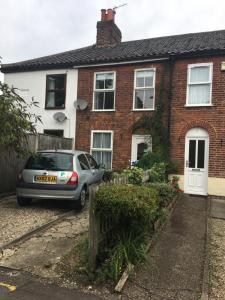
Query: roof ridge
(179,44)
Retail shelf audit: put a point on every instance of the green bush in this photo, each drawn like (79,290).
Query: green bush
(158,172)
(134,175)
(127,204)
(132,210)
(165,191)
(108,175)
(149,159)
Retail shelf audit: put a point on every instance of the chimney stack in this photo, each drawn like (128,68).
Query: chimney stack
(108,34)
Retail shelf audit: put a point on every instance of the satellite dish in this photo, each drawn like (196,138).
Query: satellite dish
(59,117)
(80,104)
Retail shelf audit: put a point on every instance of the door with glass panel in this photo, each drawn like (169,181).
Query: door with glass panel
(196,162)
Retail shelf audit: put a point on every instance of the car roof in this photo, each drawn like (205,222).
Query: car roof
(74,152)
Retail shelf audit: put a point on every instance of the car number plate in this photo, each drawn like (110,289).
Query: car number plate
(44,178)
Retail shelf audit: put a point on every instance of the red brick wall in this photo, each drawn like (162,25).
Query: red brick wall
(210,118)
(122,119)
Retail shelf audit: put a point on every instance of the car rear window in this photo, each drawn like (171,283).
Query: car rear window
(50,161)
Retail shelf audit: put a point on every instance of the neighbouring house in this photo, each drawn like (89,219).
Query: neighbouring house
(54,88)
(184,75)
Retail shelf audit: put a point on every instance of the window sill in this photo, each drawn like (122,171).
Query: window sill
(102,110)
(199,105)
(55,108)
(143,109)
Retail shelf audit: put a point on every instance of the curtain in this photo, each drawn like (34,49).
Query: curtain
(199,74)
(199,94)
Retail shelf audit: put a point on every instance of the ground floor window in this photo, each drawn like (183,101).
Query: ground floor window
(54,132)
(101,147)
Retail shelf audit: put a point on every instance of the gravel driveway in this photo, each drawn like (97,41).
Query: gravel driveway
(217,259)
(16,220)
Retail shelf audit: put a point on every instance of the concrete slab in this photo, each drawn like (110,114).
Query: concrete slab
(176,260)
(217,208)
(30,288)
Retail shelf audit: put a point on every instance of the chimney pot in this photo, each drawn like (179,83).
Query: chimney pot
(103,17)
(110,14)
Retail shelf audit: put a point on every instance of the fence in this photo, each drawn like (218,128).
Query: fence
(100,229)
(11,164)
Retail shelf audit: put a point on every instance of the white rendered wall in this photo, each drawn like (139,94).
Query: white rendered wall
(35,82)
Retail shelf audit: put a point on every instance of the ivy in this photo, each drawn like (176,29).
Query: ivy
(153,124)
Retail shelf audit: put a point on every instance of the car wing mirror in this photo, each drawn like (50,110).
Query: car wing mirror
(101,166)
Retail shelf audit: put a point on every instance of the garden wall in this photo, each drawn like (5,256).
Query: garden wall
(11,164)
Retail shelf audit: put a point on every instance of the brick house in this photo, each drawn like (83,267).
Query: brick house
(122,81)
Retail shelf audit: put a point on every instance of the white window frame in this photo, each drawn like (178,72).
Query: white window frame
(104,90)
(144,88)
(210,82)
(102,149)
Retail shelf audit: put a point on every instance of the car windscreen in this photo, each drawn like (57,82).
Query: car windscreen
(50,161)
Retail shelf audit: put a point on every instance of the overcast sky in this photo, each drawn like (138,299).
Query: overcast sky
(34,28)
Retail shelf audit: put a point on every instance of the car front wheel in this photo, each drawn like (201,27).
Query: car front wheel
(23,201)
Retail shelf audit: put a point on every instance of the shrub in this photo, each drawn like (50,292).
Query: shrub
(132,210)
(158,173)
(165,191)
(134,175)
(149,159)
(108,175)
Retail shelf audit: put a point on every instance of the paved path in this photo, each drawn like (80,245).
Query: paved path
(175,266)
(30,288)
(217,208)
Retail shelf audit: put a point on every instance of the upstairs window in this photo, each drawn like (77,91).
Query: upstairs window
(55,91)
(199,87)
(101,147)
(104,91)
(144,89)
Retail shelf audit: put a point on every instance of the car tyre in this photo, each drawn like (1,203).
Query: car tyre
(23,201)
(81,203)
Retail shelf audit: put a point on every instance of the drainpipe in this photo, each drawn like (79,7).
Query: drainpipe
(171,64)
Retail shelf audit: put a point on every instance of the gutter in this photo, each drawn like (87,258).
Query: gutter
(121,63)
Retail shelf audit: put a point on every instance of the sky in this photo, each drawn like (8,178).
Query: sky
(34,28)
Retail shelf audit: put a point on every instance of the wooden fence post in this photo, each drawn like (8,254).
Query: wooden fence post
(94,229)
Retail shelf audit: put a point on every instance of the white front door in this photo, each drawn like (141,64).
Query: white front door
(196,162)
(140,145)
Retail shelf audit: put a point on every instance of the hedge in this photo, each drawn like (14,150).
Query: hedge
(132,211)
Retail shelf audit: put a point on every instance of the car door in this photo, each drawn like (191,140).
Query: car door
(85,175)
(96,172)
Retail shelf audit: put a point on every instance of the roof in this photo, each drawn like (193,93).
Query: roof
(66,151)
(176,45)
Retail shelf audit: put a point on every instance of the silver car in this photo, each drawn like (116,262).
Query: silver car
(58,174)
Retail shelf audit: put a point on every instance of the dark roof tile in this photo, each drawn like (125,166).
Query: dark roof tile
(148,48)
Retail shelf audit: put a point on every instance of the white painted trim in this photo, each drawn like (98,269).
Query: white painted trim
(196,134)
(121,63)
(102,149)
(144,88)
(210,82)
(104,90)
(134,144)
(103,110)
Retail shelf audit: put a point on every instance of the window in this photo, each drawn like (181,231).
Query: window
(144,89)
(55,91)
(83,162)
(92,162)
(54,132)
(104,91)
(50,162)
(199,87)
(101,147)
